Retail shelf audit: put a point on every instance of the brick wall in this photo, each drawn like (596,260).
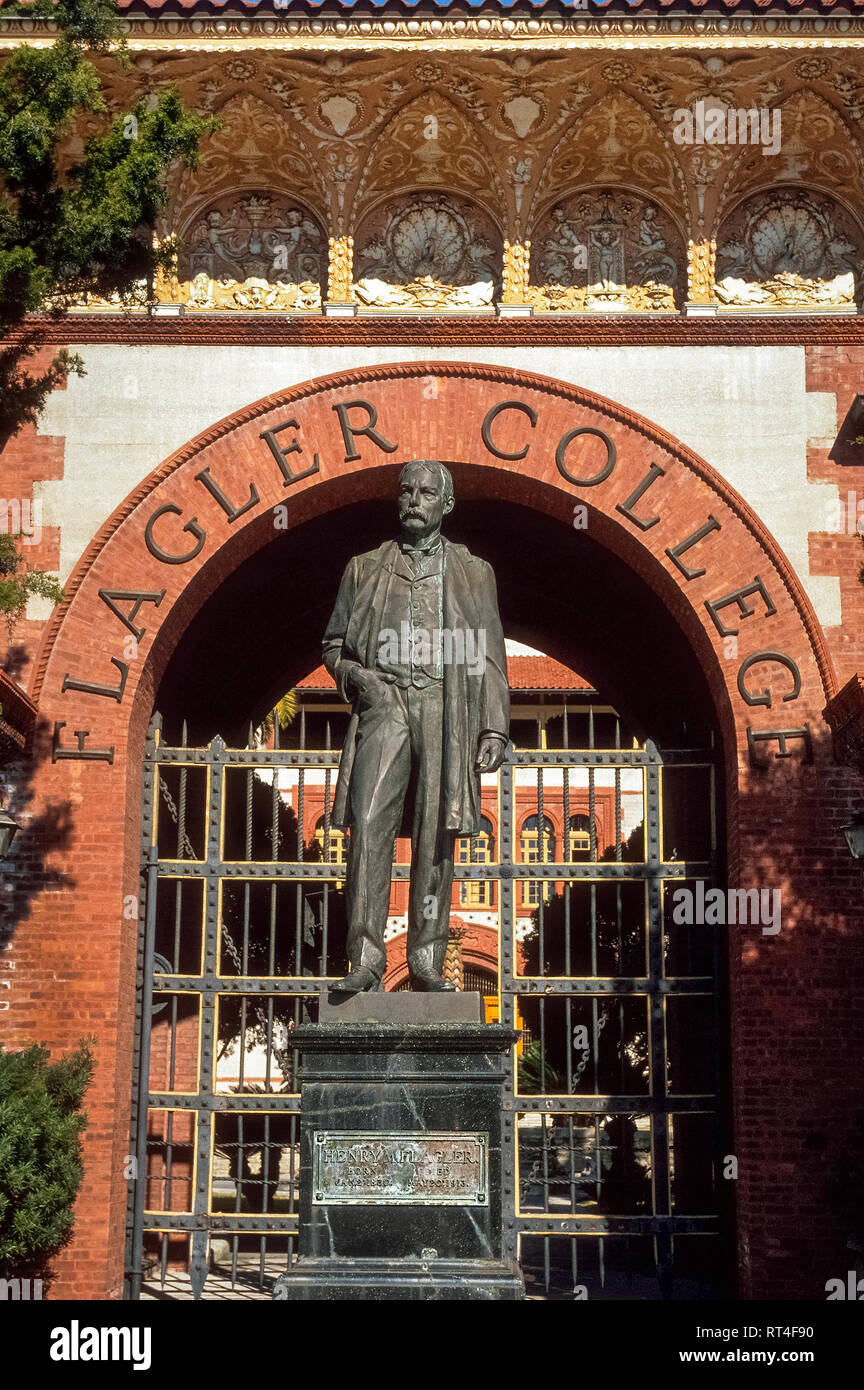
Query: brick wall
(794,999)
(840,372)
(27,460)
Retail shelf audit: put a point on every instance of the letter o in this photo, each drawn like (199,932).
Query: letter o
(611,457)
(492,414)
(191,526)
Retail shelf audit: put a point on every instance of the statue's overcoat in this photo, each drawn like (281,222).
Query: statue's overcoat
(473,702)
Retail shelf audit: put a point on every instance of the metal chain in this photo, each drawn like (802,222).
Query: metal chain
(604,1019)
(533,1177)
(281,1054)
(173,813)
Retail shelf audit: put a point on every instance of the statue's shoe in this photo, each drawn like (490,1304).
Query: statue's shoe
(431,983)
(357,981)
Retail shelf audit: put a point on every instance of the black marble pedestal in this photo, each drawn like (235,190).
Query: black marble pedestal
(400,1168)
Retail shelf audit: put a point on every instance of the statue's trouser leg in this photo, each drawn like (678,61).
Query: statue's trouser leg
(431,846)
(379,781)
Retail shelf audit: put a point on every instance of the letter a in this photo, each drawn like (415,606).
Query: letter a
(59,1350)
(388,646)
(715,126)
(682,914)
(715,908)
(683,132)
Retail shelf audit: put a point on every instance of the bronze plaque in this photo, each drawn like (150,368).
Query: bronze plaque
(379,1169)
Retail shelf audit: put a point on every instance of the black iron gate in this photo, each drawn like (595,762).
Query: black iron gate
(614,1152)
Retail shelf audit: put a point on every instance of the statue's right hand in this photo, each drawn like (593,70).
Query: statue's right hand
(370,685)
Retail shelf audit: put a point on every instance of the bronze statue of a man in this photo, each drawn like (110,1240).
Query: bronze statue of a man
(415,644)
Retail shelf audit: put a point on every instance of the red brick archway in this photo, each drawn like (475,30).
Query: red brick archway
(556,450)
(479,950)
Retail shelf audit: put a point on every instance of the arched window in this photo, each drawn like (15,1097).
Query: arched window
(537,849)
(485,982)
(477,849)
(335,850)
(580,838)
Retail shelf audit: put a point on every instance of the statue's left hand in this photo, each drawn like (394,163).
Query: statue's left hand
(490,753)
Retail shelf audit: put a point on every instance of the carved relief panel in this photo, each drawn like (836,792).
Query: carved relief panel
(789,249)
(429,143)
(350,133)
(614,142)
(605,250)
(254,250)
(427,250)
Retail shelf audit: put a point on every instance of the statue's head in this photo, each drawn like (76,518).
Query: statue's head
(425,497)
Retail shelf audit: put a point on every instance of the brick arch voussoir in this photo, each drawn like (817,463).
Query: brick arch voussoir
(98,554)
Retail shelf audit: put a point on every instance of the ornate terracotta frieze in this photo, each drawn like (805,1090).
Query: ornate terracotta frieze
(455,330)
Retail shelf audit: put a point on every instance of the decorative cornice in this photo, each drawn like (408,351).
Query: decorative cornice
(486,33)
(462,330)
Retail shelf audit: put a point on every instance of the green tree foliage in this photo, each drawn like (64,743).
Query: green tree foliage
(19,582)
(40,1153)
(534,1073)
(85,228)
(285,712)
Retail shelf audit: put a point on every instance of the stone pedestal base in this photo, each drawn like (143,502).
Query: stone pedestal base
(387,1281)
(400,1144)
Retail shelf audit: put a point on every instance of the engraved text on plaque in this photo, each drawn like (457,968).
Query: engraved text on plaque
(425,1169)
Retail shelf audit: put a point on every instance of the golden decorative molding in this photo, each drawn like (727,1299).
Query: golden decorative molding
(340,269)
(818,140)
(486,33)
(616,139)
(701,260)
(517,263)
(342,134)
(423,293)
(429,143)
(599,299)
(250,234)
(253,294)
(786,290)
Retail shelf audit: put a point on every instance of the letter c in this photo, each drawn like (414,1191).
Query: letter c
(486,427)
(191,526)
